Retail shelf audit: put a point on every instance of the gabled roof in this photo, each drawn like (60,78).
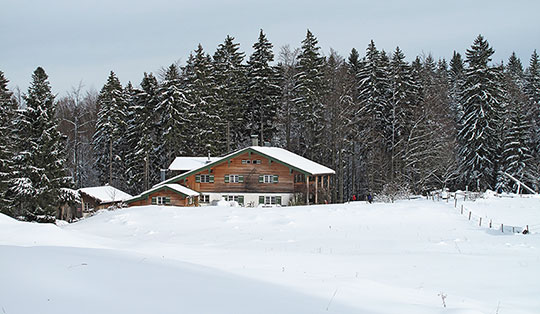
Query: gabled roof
(105,194)
(280,155)
(189,163)
(171,186)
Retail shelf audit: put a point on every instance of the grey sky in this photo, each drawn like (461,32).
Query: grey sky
(82,41)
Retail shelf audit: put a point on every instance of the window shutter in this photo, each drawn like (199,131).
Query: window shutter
(241,179)
(275,179)
(226,178)
(154,201)
(261,179)
(197,178)
(278,200)
(167,200)
(261,199)
(241,199)
(211,178)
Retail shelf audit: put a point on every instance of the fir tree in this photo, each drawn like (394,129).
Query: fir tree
(262,92)
(38,168)
(110,132)
(142,160)
(173,111)
(230,77)
(479,127)
(208,127)
(373,88)
(8,107)
(457,78)
(310,92)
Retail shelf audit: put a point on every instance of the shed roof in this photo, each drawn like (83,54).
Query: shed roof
(105,194)
(187,163)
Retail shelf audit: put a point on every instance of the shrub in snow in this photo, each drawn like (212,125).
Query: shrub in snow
(393,191)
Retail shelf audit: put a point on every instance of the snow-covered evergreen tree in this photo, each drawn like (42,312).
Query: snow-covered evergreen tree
(173,113)
(517,157)
(109,137)
(38,167)
(142,159)
(373,89)
(230,78)
(310,90)
(456,77)
(478,135)
(287,125)
(8,107)
(207,125)
(262,92)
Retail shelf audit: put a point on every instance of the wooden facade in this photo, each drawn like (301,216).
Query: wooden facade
(249,174)
(167,197)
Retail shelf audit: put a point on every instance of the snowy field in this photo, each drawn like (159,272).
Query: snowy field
(350,258)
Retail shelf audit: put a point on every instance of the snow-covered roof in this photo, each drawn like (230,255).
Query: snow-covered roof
(278,154)
(173,186)
(293,159)
(189,163)
(105,194)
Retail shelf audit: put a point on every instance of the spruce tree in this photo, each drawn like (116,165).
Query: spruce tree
(109,137)
(373,89)
(142,159)
(230,77)
(38,168)
(310,92)
(478,135)
(8,107)
(262,92)
(208,126)
(173,113)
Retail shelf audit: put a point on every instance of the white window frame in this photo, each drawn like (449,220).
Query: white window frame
(270,200)
(257,161)
(160,200)
(205,198)
(205,178)
(234,178)
(268,178)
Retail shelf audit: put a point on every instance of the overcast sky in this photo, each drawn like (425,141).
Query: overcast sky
(82,41)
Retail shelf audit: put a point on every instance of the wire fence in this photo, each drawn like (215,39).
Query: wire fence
(481,221)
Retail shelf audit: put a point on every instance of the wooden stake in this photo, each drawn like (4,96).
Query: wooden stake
(470,213)
(502,228)
(480,223)
(462,209)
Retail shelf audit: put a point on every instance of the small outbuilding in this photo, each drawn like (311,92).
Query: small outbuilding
(166,194)
(101,197)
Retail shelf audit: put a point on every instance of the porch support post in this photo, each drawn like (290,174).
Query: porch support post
(316,189)
(307,190)
(328,187)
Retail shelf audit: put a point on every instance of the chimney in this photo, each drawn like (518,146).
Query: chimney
(208,161)
(254,140)
(163,174)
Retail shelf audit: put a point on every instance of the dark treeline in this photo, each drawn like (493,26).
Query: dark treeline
(383,123)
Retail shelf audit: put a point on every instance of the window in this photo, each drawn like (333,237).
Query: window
(234,178)
(257,161)
(246,161)
(236,198)
(161,200)
(270,200)
(205,198)
(190,200)
(204,178)
(86,207)
(268,178)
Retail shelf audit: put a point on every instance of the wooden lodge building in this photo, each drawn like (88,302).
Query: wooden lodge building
(251,176)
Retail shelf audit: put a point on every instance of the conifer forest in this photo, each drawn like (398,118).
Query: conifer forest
(382,120)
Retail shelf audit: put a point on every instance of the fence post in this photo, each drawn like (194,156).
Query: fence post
(455,200)
(502,228)
(480,224)
(462,209)
(470,213)
(490,223)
